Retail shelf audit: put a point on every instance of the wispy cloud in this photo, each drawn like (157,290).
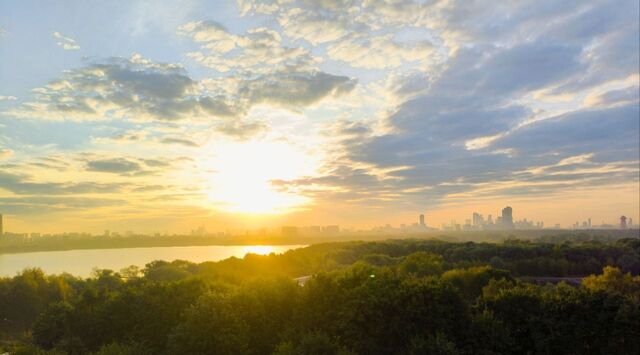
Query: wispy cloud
(66,43)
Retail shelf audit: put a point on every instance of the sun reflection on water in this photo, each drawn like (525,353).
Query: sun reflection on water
(258,249)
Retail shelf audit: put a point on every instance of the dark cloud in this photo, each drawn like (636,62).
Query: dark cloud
(179,141)
(420,169)
(241,130)
(157,162)
(296,89)
(114,165)
(38,205)
(151,188)
(606,130)
(22,184)
(614,97)
(424,156)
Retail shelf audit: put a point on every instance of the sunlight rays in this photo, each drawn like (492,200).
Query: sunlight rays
(242,174)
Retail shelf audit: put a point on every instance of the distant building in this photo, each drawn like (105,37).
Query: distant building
(478,220)
(289,231)
(623,222)
(422,224)
(507,217)
(1,226)
(331,230)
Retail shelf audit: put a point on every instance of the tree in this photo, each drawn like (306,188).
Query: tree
(313,343)
(436,344)
(421,264)
(53,325)
(614,280)
(211,326)
(471,281)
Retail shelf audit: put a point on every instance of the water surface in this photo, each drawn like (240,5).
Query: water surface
(82,262)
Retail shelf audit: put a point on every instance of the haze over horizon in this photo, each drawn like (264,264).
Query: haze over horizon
(165,116)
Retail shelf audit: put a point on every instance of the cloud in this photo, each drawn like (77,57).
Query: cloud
(118,88)
(179,141)
(267,70)
(4,97)
(66,43)
(614,97)
(259,50)
(128,166)
(5,153)
(469,119)
(412,103)
(612,133)
(410,167)
(472,130)
(139,90)
(297,89)
(241,130)
(23,184)
(314,26)
(114,165)
(40,205)
(130,136)
(362,34)
(380,52)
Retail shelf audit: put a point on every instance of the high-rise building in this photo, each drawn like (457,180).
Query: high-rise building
(478,221)
(332,230)
(630,222)
(289,231)
(507,217)
(1,226)
(422,224)
(623,222)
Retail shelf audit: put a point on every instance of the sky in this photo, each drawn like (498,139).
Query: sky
(163,116)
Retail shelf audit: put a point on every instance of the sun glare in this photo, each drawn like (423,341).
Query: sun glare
(243,172)
(258,249)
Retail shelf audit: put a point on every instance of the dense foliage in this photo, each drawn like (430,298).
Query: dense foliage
(393,297)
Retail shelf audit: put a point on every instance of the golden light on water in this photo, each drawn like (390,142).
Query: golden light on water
(258,249)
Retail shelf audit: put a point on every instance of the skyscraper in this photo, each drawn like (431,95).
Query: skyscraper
(623,222)
(422,224)
(507,217)
(478,221)
(1,226)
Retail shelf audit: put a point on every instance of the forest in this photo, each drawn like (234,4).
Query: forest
(385,297)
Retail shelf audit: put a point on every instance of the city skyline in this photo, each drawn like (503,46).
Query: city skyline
(264,113)
(477,222)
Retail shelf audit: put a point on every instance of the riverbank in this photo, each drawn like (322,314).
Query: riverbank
(19,244)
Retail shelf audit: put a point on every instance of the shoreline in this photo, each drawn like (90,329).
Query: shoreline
(63,243)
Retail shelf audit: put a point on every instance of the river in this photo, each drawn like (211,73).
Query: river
(82,262)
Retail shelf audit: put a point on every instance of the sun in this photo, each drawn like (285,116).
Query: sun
(242,176)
